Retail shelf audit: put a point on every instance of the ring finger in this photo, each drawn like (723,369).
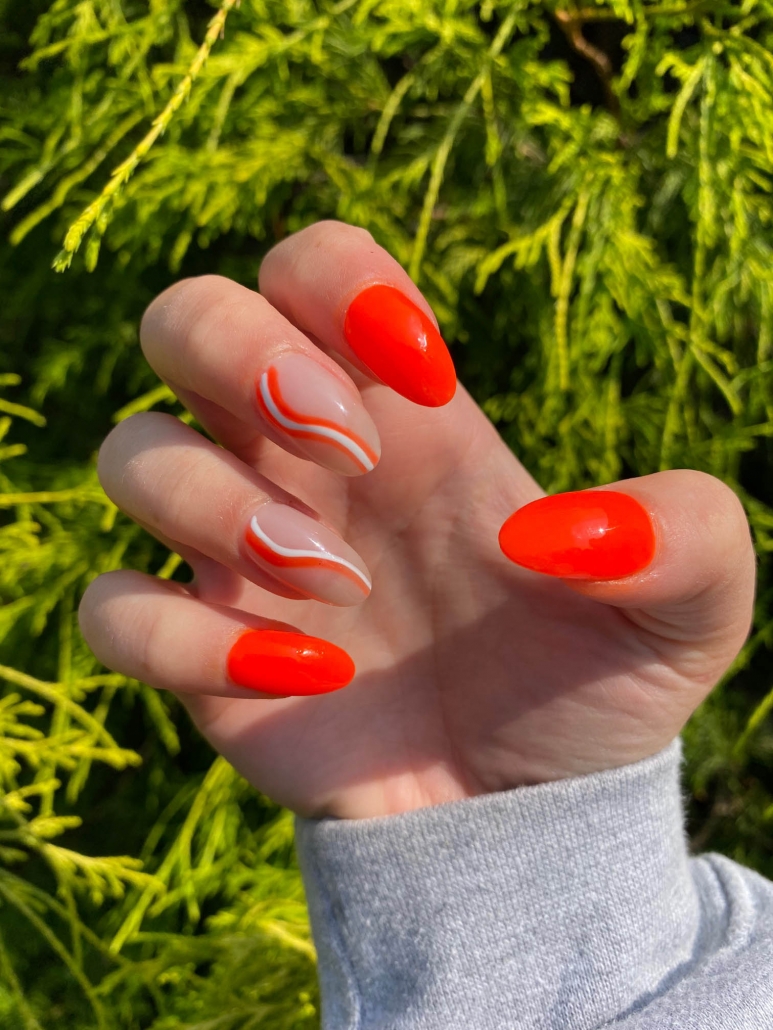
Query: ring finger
(182,487)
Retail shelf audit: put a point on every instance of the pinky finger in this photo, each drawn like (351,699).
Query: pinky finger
(155,631)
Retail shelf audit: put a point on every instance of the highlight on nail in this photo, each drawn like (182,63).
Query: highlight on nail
(286,663)
(297,396)
(400,344)
(305,555)
(584,534)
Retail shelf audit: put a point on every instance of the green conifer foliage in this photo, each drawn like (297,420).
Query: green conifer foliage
(584,193)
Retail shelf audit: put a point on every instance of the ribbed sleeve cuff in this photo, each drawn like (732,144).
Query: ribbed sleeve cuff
(563,904)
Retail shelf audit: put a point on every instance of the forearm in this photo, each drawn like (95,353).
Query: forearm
(565,905)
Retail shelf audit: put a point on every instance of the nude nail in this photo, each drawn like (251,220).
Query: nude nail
(303,554)
(321,415)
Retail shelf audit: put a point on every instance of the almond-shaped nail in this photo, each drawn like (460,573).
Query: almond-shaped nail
(585,534)
(288,664)
(303,554)
(323,416)
(400,344)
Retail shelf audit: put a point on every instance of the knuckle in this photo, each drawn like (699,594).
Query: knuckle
(181,319)
(330,230)
(151,636)
(724,517)
(123,448)
(721,497)
(184,480)
(123,623)
(97,612)
(220,314)
(327,234)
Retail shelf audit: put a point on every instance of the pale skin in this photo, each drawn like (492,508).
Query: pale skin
(473,675)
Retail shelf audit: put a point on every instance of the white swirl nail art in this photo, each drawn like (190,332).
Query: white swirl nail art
(295,557)
(304,427)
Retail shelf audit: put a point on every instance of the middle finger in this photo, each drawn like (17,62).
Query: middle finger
(213,338)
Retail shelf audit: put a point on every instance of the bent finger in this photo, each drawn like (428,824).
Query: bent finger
(334,282)
(156,632)
(673,549)
(185,489)
(212,338)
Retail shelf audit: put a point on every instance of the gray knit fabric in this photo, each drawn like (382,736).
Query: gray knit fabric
(566,906)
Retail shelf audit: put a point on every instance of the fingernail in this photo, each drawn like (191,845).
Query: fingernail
(303,554)
(399,343)
(288,664)
(321,415)
(586,534)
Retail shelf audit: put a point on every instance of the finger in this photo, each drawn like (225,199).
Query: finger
(673,549)
(158,633)
(217,340)
(335,283)
(186,489)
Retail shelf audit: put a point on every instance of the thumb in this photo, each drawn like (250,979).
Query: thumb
(673,549)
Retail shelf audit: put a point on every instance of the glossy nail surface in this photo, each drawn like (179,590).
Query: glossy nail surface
(288,664)
(586,534)
(303,554)
(322,415)
(400,344)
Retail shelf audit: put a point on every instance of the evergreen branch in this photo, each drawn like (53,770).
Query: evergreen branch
(724,385)
(170,566)
(67,184)
(56,946)
(94,214)
(46,901)
(756,719)
(10,977)
(50,693)
(148,400)
(178,855)
(224,104)
(591,14)
(676,399)
(444,150)
(273,928)
(78,493)
(19,411)
(565,288)
(389,111)
(571,26)
(682,100)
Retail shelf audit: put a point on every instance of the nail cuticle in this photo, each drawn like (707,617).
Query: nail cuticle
(301,400)
(305,555)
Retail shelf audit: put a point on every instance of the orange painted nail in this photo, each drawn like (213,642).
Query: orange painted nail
(400,345)
(288,664)
(586,534)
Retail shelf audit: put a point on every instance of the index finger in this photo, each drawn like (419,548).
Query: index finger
(335,283)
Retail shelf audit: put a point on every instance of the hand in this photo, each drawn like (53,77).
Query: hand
(473,674)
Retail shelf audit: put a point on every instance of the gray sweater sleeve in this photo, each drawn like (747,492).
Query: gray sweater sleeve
(565,906)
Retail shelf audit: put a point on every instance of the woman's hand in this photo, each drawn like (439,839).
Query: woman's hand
(473,674)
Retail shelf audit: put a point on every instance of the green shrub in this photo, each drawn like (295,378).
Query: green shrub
(585,194)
